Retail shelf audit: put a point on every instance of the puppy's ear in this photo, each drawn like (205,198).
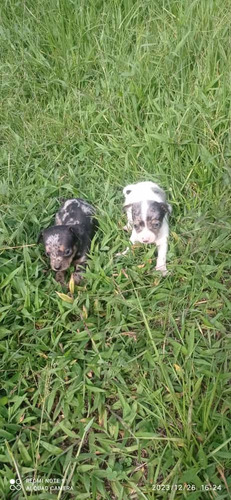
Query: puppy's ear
(40,237)
(166,207)
(127,190)
(75,231)
(126,207)
(158,190)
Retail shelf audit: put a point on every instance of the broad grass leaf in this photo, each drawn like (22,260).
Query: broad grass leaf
(26,458)
(4,332)
(67,431)
(17,403)
(11,276)
(86,468)
(93,388)
(6,435)
(190,476)
(203,461)
(3,401)
(4,458)
(54,450)
(50,400)
(197,385)
(181,42)
(190,341)
(88,426)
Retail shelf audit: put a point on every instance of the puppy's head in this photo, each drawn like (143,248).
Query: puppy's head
(61,244)
(147,219)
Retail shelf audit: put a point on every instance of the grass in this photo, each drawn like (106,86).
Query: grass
(123,393)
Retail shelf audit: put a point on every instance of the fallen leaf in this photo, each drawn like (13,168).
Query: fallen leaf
(72,285)
(85,312)
(129,334)
(43,355)
(175,236)
(203,301)
(65,297)
(124,273)
(178,368)
(156,281)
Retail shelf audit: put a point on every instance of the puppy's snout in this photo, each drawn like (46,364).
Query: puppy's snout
(145,240)
(57,266)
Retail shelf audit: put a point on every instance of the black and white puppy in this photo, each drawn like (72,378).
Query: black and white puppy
(68,241)
(147,215)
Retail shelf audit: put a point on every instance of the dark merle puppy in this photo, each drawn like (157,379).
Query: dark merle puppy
(69,240)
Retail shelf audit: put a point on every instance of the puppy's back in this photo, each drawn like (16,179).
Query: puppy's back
(74,211)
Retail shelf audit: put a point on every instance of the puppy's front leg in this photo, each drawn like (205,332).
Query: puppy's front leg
(60,277)
(78,274)
(162,248)
(127,228)
(129,224)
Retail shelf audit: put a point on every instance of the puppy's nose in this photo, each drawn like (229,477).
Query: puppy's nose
(145,240)
(57,267)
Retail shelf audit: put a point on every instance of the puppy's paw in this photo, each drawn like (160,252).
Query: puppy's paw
(60,277)
(77,277)
(119,254)
(162,269)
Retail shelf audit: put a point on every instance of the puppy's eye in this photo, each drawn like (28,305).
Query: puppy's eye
(48,253)
(155,223)
(67,252)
